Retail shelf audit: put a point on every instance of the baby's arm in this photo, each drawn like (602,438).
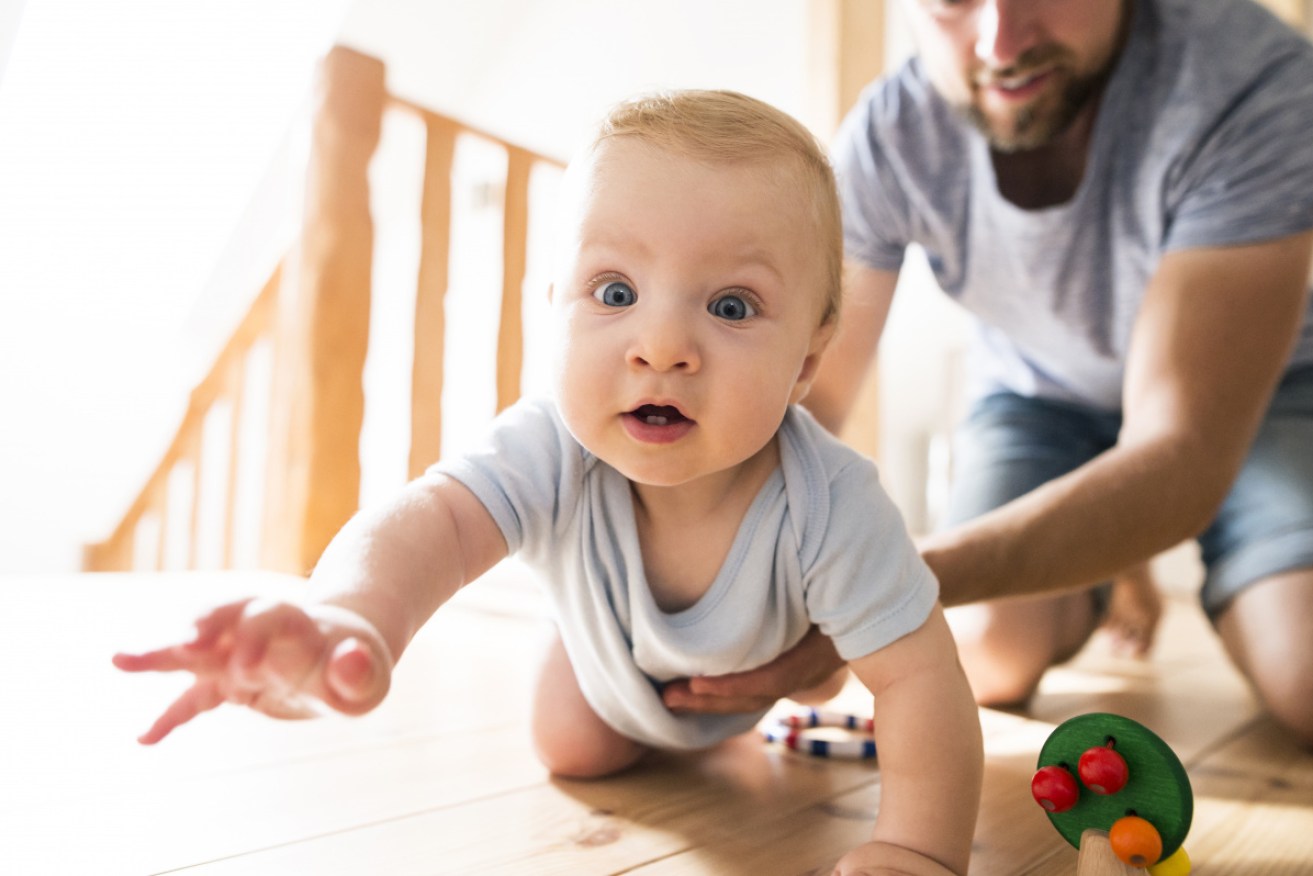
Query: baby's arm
(380,579)
(395,565)
(927,735)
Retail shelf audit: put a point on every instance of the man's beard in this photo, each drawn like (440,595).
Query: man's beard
(1039,123)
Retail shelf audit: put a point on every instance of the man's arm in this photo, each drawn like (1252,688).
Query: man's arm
(1214,332)
(868,294)
(1209,345)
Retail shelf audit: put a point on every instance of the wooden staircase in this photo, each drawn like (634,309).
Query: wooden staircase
(313,317)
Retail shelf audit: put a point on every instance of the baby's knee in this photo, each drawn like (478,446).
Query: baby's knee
(585,755)
(568,736)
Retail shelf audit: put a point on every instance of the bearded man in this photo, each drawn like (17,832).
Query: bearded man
(1120,194)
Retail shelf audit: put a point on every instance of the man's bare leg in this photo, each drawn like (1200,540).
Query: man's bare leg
(1007,645)
(1268,631)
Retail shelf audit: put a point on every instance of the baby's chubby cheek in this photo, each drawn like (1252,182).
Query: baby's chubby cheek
(576,397)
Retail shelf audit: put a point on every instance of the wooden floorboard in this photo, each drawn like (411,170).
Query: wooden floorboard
(441,778)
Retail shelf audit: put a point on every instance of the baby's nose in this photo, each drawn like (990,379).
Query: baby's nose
(665,344)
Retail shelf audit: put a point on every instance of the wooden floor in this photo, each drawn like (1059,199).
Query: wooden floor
(441,779)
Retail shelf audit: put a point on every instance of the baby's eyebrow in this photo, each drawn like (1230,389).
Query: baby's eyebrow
(757,257)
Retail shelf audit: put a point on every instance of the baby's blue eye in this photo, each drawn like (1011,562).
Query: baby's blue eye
(731,307)
(615,294)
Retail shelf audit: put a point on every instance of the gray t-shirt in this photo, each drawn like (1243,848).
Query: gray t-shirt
(1204,138)
(821,543)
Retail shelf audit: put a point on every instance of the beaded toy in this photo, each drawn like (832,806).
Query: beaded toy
(801,732)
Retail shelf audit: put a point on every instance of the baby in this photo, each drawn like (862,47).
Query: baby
(687,517)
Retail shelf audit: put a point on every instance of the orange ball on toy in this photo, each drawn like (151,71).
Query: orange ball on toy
(1135,841)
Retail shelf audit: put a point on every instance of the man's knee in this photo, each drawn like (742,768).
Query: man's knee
(1001,670)
(1268,630)
(1007,647)
(1287,693)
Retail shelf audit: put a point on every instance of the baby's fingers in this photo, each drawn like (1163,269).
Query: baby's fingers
(277,643)
(201,697)
(206,652)
(170,659)
(221,621)
(354,681)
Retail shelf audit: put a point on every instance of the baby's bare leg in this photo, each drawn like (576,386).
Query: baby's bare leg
(568,737)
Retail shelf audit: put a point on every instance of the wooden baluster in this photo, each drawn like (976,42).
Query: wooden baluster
(430,318)
(515,239)
(194,453)
(123,553)
(323,324)
(160,501)
(103,556)
(236,395)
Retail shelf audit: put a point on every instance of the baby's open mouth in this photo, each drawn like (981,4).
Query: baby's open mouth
(658,415)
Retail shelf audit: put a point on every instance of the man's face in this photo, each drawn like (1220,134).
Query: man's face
(1020,70)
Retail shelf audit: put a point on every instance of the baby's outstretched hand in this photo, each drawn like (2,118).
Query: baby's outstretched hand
(275,657)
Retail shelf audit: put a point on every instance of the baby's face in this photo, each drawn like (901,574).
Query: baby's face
(689,297)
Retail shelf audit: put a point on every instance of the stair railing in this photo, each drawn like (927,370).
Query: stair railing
(314,313)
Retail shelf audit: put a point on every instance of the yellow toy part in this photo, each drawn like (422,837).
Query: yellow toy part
(1178,864)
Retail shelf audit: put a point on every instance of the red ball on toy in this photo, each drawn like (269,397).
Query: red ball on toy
(1054,788)
(1103,770)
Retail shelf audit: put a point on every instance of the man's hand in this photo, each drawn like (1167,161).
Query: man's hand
(274,657)
(802,668)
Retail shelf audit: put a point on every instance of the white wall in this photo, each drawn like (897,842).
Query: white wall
(540,72)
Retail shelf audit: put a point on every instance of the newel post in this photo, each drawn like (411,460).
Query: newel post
(323,323)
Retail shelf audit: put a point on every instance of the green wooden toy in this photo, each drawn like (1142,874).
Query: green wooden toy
(1108,773)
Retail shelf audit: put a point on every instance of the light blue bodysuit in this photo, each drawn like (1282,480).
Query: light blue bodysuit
(821,543)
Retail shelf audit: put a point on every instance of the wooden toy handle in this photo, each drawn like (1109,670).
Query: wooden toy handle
(1097,859)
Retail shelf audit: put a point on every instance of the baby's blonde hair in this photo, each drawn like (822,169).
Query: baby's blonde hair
(728,127)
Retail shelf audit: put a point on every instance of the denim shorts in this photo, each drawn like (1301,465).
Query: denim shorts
(1009,445)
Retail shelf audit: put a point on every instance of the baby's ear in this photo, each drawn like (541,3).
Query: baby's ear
(821,338)
(824,334)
